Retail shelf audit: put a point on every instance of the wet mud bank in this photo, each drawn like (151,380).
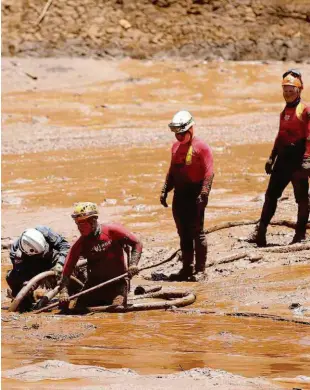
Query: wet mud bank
(98,131)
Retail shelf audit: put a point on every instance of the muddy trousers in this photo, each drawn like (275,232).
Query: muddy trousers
(189,220)
(278,182)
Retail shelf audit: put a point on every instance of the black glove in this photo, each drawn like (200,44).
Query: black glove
(306,163)
(202,199)
(163,199)
(268,166)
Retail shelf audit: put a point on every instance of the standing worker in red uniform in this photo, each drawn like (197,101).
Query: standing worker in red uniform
(190,175)
(103,246)
(289,160)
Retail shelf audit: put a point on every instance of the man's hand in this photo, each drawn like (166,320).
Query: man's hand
(63,296)
(202,199)
(268,166)
(132,271)
(58,268)
(163,199)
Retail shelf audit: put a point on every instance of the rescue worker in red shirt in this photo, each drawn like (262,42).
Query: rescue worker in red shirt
(289,160)
(190,175)
(103,246)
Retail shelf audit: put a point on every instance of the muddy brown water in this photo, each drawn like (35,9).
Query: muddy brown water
(127,180)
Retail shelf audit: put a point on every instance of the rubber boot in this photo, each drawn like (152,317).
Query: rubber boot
(301,225)
(201,252)
(258,237)
(187,271)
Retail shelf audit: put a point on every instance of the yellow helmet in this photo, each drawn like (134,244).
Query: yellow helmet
(84,210)
(293,78)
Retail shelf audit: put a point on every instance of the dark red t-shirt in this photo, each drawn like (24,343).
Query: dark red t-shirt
(194,169)
(294,127)
(104,252)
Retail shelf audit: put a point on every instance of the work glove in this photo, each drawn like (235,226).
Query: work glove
(268,166)
(132,271)
(163,199)
(164,194)
(58,268)
(306,163)
(202,199)
(64,296)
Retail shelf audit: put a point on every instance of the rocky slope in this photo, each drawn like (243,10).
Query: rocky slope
(209,29)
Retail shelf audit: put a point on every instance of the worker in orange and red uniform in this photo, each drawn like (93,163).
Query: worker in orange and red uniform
(103,246)
(289,160)
(190,175)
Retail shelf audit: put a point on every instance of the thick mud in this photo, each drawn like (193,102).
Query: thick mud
(97,130)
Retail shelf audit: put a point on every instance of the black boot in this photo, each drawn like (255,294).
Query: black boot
(187,271)
(201,252)
(302,219)
(258,237)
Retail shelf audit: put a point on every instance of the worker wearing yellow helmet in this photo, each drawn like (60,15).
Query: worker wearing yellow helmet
(103,246)
(289,160)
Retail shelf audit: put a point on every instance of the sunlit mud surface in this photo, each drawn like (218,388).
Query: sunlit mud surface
(104,138)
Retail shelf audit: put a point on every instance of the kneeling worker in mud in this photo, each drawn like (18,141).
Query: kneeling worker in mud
(289,160)
(190,175)
(103,246)
(35,251)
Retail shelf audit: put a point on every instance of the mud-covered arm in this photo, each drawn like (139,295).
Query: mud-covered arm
(126,238)
(307,133)
(168,185)
(274,151)
(206,161)
(56,242)
(72,257)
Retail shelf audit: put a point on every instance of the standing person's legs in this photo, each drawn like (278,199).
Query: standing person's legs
(302,197)
(201,244)
(182,211)
(278,181)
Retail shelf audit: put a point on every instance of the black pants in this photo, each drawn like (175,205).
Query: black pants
(283,174)
(189,220)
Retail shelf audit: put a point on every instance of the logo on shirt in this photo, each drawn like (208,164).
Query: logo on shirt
(102,246)
(287,117)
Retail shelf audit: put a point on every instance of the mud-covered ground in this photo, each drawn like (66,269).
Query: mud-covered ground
(78,129)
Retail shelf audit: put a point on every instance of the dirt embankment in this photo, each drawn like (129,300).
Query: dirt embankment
(209,29)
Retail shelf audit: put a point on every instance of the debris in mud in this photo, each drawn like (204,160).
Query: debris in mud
(294,306)
(61,337)
(32,326)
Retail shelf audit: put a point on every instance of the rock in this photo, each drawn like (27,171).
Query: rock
(294,306)
(125,24)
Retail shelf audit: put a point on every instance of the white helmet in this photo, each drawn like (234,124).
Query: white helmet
(181,122)
(32,242)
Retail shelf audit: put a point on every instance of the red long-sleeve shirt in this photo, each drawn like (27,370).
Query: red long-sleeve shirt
(185,170)
(294,127)
(104,252)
